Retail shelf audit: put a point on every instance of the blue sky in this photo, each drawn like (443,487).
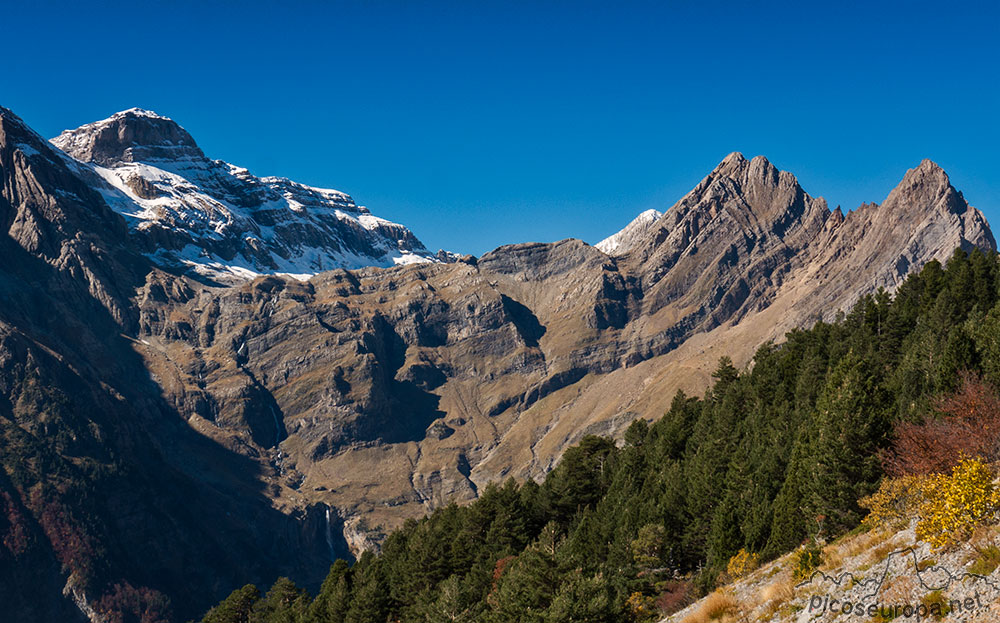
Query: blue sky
(480,124)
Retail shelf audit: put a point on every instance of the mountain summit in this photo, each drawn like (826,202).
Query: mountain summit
(215,220)
(133,135)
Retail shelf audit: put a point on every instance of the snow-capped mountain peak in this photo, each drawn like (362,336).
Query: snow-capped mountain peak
(219,221)
(621,242)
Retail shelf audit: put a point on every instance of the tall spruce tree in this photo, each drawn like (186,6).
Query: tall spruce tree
(852,424)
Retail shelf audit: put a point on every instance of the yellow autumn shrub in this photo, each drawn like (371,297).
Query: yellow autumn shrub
(895,502)
(954,505)
(948,507)
(640,607)
(742,563)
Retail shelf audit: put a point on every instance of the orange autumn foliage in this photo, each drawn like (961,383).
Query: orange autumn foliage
(968,424)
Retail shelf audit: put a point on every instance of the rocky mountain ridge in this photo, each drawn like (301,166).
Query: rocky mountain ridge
(375,394)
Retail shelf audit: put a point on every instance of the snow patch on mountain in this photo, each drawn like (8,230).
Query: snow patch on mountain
(621,242)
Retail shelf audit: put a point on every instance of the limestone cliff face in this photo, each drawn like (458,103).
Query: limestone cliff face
(217,424)
(724,249)
(55,217)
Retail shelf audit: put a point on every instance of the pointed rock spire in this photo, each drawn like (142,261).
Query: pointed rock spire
(924,187)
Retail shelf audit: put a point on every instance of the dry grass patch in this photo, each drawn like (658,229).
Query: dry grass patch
(833,557)
(775,595)
(861,543)
(898,589)
(984,536)
(881,552)
(781,590)
(720,606)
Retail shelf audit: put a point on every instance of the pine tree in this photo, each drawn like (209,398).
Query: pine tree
(284,603)
(582,599)
(334,598)
(852,424)
(647,548)
(787,527)
(707,461)
(526,588)
(451,606)
(580,480)
(370,594)
(236,608)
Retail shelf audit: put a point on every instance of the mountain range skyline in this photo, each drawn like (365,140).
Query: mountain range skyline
(643,219)
(215,219)
(453,119)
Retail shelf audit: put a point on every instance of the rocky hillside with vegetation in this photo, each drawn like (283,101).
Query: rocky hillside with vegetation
(854,462)
(388,394)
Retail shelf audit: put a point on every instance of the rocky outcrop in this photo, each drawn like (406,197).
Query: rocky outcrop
(131,136)
(923,218)
(724,249)
(54,217)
